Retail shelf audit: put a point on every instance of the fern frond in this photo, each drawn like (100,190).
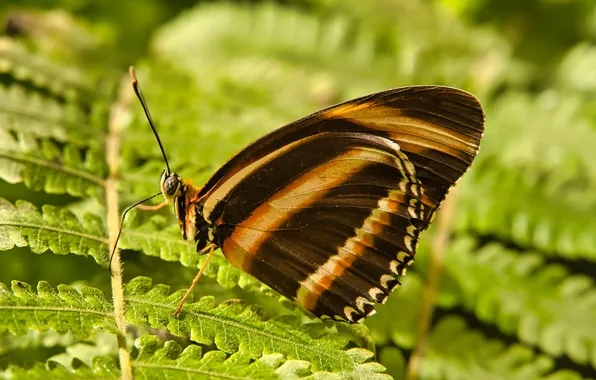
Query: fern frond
(547,162)
(512,208)
(67,309)
(543,304)
(296,59)
(56,229)
(41,116)
(60,80)
(456,352)
(171,362)
(102,368)
(232,326)
(43,166)
(281,66)
(363,369)
(549,133)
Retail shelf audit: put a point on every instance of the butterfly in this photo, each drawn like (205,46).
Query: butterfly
(328,210)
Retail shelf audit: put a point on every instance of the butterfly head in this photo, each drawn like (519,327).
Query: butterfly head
(171,186)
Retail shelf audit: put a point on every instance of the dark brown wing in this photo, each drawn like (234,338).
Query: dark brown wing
(438,128)
(327,210)
(327,222)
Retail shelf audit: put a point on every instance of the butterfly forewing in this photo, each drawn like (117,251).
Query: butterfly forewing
(439,128)
(327,210)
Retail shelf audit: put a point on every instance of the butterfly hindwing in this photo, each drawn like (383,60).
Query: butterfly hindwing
(326,222)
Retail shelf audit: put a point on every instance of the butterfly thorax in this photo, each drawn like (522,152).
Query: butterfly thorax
(188,209)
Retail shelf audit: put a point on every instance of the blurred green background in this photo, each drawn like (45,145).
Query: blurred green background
(516,298)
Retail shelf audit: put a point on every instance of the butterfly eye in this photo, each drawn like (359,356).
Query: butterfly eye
(171,185)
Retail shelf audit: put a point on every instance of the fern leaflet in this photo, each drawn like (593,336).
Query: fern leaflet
(543,304)
(232,326)
(102,368)
(43,166)
(56,229)
(61,80)
(456,352)
(42,116)
(65,310)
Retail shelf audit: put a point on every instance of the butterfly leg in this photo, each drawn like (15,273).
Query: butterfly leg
(152,208)
(211,248)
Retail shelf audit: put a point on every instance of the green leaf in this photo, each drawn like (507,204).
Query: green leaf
(42,116)
(80,312)
(512,208)
(232,326)
(543,304)
(102,368)
(61,80)
(102,343)
(43,166)
(171,362)
(455,352)
(56,229)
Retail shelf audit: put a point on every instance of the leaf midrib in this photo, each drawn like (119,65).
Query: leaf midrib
(14,156)
(231,323)
(57,309)
(18,111)
(102,240)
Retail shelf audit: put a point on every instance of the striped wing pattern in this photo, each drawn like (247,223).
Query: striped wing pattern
(327,210)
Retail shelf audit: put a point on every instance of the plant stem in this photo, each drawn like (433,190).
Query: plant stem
(439,245)
(118,113)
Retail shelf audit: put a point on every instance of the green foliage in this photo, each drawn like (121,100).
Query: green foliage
(515,297)
(55,229)
(67,310)
(30,113)
(43,166)
(170,360)
(58,79)
(233,326)
(161,363)
(455,352)
(102,368)
(543,304)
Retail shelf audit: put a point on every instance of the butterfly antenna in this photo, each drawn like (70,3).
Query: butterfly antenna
(122,224)
(135,86)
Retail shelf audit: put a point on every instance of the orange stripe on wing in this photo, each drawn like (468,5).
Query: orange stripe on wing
(313,286)
(282,205)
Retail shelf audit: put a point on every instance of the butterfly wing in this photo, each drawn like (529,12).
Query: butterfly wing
(438,128)
(327,210)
